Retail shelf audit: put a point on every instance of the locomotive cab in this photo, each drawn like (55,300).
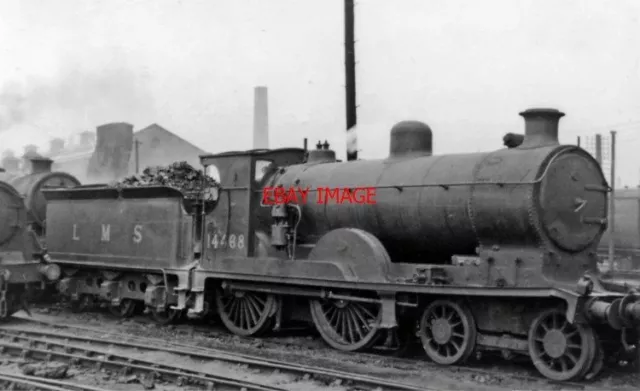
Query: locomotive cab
(232,229)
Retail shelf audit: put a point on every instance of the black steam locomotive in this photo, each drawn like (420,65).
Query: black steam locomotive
(483,251)
(25,267)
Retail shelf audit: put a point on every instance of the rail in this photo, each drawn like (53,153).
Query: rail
(39,383)
(326,376)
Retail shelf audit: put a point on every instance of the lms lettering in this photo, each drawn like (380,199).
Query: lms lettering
(105,233)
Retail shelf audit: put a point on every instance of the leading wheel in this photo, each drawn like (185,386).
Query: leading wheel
(561,351)
(448,332)
(346,325)
(248,314)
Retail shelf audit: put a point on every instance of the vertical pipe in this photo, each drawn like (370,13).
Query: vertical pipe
(612,196)
(305,144)
(578,140)
(350,79)
(599,148)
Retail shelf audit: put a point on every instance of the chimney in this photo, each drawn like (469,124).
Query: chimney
(30,150)
(40,165)
(260,118)
(56,146)
(87,139)
(11,164)
(541,127)
(112,153)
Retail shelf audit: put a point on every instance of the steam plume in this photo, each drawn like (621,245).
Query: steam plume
(75,99)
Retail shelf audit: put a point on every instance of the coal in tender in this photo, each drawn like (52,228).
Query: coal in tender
(179,175)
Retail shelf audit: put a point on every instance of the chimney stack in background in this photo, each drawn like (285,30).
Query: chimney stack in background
(87,139)
(30,150)
(11,164)
(260,118)
(56,146)
(110,159)
(40,165)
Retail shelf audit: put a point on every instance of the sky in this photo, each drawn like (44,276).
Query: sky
(466,68)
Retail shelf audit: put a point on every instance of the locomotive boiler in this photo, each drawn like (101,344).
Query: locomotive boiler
(430,208)
(30,187)
(470,252)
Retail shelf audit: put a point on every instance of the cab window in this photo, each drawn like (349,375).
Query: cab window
(262,168)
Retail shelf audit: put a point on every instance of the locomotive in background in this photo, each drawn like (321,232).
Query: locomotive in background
(482,251)
(25,267)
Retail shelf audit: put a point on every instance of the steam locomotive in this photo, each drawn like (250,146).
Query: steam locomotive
(470,252)
(25,267)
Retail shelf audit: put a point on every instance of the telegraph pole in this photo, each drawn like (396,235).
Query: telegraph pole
(612,204)
(350,78)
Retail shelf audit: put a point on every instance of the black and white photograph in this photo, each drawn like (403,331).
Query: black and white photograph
(308,195)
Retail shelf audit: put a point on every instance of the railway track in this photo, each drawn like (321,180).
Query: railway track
(326,376)
(47,345)
(44,350)
(12,381)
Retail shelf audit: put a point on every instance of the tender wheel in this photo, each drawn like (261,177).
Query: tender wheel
(126,309)
(448,332)
(559,350)
(346,325)
(248,314)
(84,303)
